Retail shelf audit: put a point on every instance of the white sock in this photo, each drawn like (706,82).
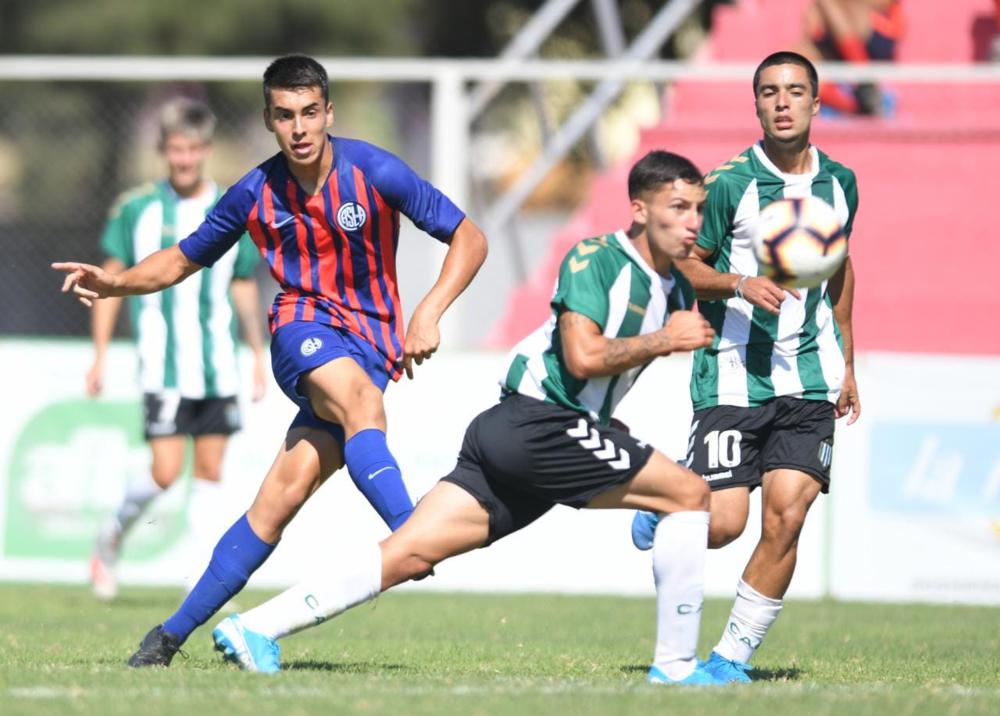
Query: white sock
(354,579)
(752,615)
(206,523)
(680,545)
(139,492)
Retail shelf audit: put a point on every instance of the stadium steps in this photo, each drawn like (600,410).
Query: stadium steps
(924,251)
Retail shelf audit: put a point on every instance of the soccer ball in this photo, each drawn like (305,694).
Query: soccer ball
(799,242)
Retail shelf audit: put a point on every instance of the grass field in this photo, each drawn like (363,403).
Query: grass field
(413,653)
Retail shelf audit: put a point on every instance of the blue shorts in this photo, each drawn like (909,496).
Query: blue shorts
(301,346)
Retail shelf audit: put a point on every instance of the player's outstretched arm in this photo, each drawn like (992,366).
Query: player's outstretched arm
(156,272)
(710,285)
(841,288)
(102,326)
(588,353)
(466,253)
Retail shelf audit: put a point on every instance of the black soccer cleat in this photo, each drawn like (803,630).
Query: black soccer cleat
(157,649)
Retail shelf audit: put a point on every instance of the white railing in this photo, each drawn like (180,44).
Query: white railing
(400,69)
(451,80)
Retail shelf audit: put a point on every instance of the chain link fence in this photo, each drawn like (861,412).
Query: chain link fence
(68,149)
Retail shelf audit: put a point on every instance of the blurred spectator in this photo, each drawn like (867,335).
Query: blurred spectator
(853,31)
(995,47)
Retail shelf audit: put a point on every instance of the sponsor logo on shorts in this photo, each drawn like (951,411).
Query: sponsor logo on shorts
(310,346)
(691,437)
(825,454)
(351,216)
(590,439)
(718,476)
(232,416)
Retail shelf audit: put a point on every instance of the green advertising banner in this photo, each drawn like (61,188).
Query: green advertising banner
(68,469)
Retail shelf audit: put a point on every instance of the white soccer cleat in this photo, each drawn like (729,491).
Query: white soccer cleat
(103,580)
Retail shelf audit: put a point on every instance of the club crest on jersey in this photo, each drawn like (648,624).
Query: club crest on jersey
(351,216)
(310,346)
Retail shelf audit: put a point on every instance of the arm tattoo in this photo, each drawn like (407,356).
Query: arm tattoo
(625,353)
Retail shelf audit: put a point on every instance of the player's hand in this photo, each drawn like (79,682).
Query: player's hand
(765,293)
(87,281)
(259,379)
(94,380)
(422,340)
(687,331)
(849,402)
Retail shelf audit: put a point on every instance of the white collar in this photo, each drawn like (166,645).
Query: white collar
(667,282)
(789,178)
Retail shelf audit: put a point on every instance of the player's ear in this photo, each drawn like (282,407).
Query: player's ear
(329,114)
(267,119)
(640,212)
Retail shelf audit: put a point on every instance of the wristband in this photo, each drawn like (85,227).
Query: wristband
(739,288)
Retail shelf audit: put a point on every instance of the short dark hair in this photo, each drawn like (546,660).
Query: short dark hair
(786,57)
(295,72)
(658,168)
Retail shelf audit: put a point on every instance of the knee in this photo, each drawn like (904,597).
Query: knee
(365,409)
(416,566)
(403,565)
(784,524)
(359,408)
(205,470)
(695,495)
(165,475)
(723,530)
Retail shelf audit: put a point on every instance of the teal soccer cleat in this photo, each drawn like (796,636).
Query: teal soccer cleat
(699,677)
(247,649)
(727,671)
(643,529)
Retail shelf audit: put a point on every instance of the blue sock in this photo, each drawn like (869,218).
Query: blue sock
(376,473)
(237,555)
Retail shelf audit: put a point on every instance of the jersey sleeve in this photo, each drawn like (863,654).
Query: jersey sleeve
(583,286)
(116,241)
(247,257)
(849,183)
(719,213)
(222,228)
(406,191)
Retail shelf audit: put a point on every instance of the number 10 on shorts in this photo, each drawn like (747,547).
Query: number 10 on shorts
(723,448)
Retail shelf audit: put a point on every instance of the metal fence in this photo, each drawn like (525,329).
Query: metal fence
(76,132)
(68,149)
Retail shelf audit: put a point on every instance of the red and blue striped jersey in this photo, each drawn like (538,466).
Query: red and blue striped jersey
(334,252)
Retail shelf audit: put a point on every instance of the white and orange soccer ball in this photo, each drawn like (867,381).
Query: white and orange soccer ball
(799,242)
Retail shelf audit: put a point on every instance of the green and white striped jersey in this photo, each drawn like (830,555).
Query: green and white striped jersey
(605,279)
(757,356)
(186,334)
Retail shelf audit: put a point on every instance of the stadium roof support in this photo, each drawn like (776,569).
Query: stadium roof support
(648,42)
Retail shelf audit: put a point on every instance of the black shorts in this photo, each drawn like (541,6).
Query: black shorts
(733,447)
(166,414)
(522,456)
